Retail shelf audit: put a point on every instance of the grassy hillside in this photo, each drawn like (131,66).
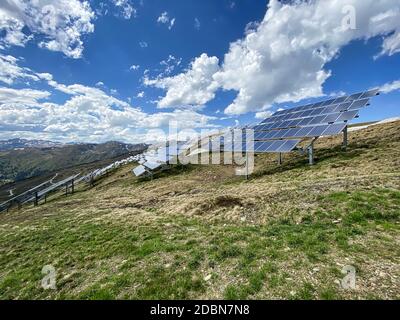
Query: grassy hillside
(16,165)
(201,232)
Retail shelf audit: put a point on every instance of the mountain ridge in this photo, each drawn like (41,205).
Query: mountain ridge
(25,162)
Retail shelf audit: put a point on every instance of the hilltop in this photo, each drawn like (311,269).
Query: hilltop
(202,232)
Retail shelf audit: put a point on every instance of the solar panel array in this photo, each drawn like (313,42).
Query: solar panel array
(37,192)
(280,133)
(98,173)
(159,157)
(26,195)
(285,129)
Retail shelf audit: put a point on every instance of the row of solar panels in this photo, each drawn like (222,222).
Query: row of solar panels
(351,98)
(282,146)
(289,138)
(304,132)
(159,158)
(54,187)
(296,116)
(322,119)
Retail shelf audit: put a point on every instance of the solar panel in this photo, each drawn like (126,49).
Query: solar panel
(331,118)
(370,93)
(261,146)
(274,146)
(334,129)
(56,185)
(340,100)
(348,115)
(317,131)
(288,146)
(359,104)
(138,171)
(317,120)
(355,96)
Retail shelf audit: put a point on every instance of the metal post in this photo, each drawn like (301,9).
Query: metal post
(36,199)
(72,186)
(311,153)
(279,158)
(247,165)
(66,189)
(345,138)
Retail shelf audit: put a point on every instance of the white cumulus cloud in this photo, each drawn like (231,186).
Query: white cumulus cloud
(61,24)
(88,115)
(263,114)
(390,87)
(283,58)
(194,87)
(10,71)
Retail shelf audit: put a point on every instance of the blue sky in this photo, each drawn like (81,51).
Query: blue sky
(131,66)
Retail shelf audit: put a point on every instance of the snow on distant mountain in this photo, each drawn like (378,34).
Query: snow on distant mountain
(13,144)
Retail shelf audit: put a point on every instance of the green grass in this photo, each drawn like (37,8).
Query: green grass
(167,263)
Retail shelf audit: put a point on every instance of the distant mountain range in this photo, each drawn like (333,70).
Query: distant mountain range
(13,144)
(21,159)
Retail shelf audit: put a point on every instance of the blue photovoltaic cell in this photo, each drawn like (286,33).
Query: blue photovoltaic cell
(307,113)
(259,146)
(340,100)
(331,118)
(305,121)
(281,133)
(258,135)
(334,129)
(359,104)
(291,133)
(348,115)
(370,93)
(317,120)
(317,131)
(269,134)
(343,106)
(289,145)
(328,102)
(303,132)
(275,146)
(355,96)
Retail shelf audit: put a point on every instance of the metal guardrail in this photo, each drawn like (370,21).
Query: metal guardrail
(22,197)
(38,192)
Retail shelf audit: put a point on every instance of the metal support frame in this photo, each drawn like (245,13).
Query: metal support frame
(36,201)
(345,138)
(247,166)
(310,150)
(311,153)
(280,158)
